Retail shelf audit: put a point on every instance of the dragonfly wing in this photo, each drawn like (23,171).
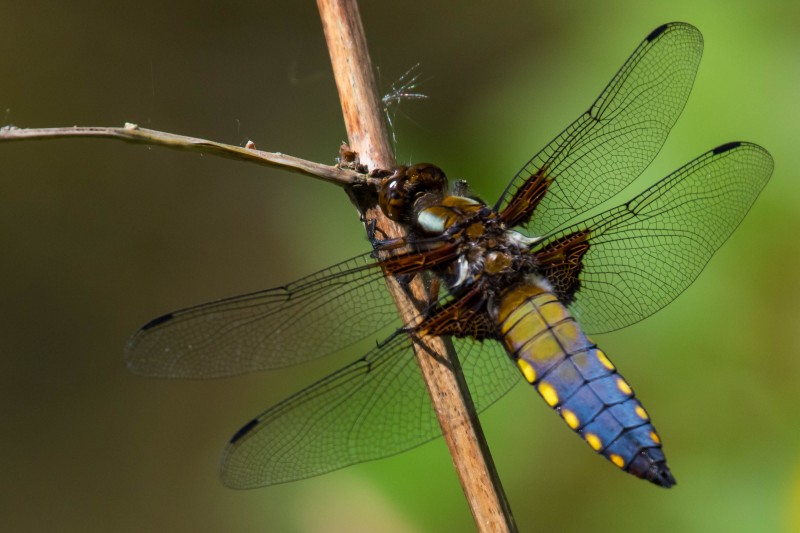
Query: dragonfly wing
(375,407)
(607,147)
(489,372)
(309,318)
(627,263)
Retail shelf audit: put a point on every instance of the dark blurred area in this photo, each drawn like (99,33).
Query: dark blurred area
(99,236)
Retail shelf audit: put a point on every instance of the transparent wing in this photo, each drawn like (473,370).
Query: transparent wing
(375,407)
(309,318)
(607,147)
(644,253)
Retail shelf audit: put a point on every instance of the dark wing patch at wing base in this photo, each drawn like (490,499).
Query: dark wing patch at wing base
(561,262)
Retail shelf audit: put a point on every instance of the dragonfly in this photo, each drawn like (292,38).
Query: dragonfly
(517,286)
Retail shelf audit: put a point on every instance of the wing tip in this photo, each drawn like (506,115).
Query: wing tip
(158,321)
(244,430)
(658,31)
(726,147)
(685,26)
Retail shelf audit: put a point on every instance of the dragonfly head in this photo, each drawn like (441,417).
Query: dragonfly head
(400,191)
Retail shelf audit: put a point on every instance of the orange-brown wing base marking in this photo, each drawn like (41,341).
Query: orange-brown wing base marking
(561,262)
(465,317)
(526,198)
(412,262)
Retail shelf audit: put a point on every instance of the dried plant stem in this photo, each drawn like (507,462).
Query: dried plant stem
(440,368)
(134,134)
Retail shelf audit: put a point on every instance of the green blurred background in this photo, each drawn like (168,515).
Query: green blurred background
(99,236)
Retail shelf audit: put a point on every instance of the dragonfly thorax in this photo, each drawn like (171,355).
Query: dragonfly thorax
(488,253)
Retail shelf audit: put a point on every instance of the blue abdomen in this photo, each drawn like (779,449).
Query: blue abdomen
(577,379)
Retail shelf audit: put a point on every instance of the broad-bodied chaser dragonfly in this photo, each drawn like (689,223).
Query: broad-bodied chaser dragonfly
(511,300)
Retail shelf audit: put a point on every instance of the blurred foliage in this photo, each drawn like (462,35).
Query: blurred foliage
(98,237)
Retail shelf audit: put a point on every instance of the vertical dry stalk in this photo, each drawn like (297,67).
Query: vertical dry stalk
(367,136)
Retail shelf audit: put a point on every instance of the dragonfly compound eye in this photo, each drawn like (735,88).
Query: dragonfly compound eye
(399,192)
(393,195)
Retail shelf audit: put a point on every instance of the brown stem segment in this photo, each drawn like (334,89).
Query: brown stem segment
(452,403)
(134,134)
(352,69)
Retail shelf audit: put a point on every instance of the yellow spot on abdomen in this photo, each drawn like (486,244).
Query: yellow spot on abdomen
(655,437)
(642,413)
(527,370)
(617,460)
(570,418)
(594,441)
(601,356)
(624,387)
(548,393)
